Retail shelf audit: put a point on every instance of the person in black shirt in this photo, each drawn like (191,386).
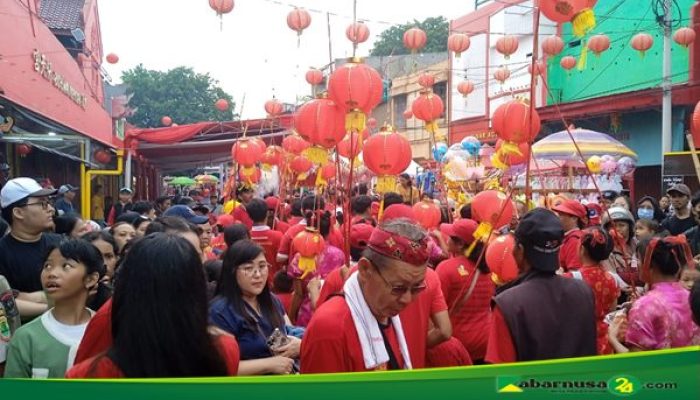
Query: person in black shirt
(29,212)
(681,220)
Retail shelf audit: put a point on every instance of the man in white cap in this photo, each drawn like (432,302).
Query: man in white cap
(26,206)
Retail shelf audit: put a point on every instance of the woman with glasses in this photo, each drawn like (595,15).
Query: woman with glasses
(245,307)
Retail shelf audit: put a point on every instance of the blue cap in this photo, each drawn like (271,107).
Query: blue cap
(185,213)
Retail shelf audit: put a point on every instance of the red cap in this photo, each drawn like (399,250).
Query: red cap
(572,207)
(594,213)
(225,220)
(360,234)
(395,211)
(272,202)
(462,228)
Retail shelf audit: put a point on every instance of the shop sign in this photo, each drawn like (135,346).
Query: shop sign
(670,180)
(45,68)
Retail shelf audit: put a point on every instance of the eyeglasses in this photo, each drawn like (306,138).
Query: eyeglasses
(250,269)
(44,204)
(399,291)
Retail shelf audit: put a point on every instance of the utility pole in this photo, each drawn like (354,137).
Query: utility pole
(666,105)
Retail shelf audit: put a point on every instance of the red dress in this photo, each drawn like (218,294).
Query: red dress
(606,292)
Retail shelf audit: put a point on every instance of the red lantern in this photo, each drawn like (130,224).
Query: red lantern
(221,105)
(166,121)
(357,89)
(273,107)
(300,164)
(112,58)
(309,243)
(465,87)
(598,44)
(407,114)
(684,36)
(568,62)
(272,156)
(561,10)
(511,121)
(295,144)
(328,171)
(507,45)
(428,107)
(493,209)
(695,125)
(427,214)
(552,45)
(540,68)
(458,43)
(501,74)
(426,80)
(499,258)
(320,122)
(357,32)
(642,42)
(249,176)
(414,39)
(298,19)
(351,145)
(246,152)
(23,149)
(314,76)
(221,6)
(387,154)
(260,143)
(512,156)
(102,157)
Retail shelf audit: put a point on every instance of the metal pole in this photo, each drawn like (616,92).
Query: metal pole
(666,110)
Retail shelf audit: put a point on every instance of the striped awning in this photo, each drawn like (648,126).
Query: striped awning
(559,146)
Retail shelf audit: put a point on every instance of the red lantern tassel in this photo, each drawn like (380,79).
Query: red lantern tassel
(307,265)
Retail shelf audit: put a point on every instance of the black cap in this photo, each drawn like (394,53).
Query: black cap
(541,234)
(609,195)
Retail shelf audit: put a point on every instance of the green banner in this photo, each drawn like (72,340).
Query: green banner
(670,374)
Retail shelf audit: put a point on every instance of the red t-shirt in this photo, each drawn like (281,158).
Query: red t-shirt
(281,226)
(500,348)
(333,284)
(450,353)
(286,300)
(105,368)
(331,343)
(269,240)
(568,253)
(286,242)
(98,334)
(470,323)
(241,215)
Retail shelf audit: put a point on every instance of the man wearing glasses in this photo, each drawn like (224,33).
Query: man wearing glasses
(26,206)
(361,330)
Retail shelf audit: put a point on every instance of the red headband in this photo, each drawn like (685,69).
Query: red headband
(398,247)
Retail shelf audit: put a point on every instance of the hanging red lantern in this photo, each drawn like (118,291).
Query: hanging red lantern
(166,121)
(357,32)
(428,107)
(507,45)
(458,43)
(540,68)
(249,176)
(568,62)
(112,58)
(492,209)
(407,114)
(561,10)
(246,152)
(328,171)
(426,80)
(552,45)
(465,88)
(684,36)
(272,156)
(102,157)
(357,89)
(642,42)
(427,214)
(695,125)
(221,105)
(262,146)
(298,19)
(295,144)
(515,157)
(414,39)
(511,122)
(314,76)
(499,258)
(321,122)
(598,43)
(273,108)
(351,145)
(300,165)
(309,243)
(387,154)
(23,149)
(501,74)
(221,6)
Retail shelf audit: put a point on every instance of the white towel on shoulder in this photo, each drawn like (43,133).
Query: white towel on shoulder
(371,341)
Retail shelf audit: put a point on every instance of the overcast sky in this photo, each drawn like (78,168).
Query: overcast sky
(255,54)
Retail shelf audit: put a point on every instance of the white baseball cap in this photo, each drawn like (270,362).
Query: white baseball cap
(20,188)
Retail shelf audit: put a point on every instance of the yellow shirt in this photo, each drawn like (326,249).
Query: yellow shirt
(98,208)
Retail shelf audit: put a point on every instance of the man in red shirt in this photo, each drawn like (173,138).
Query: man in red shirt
(261,233)
(361,331)
(573,216)
(245,195)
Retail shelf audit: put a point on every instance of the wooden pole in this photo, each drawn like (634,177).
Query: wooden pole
(694,155)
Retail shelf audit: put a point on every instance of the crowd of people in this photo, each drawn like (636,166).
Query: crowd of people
(192,287)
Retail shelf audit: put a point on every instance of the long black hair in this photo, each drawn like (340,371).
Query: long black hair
(245,251)
(160,312)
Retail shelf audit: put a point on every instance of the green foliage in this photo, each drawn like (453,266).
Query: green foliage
(180,93)
(390,42)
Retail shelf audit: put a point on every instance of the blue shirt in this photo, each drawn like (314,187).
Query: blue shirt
(252,340)
(64,206)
